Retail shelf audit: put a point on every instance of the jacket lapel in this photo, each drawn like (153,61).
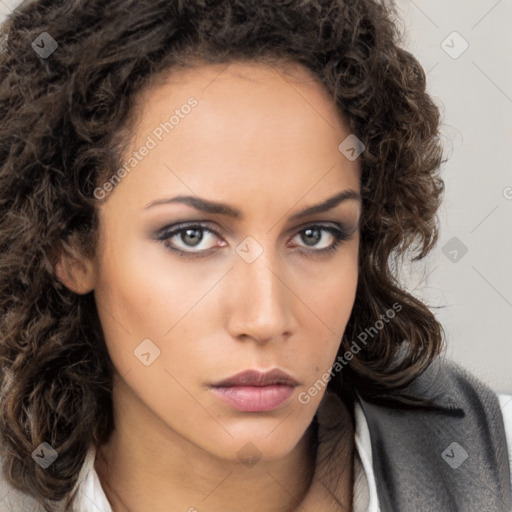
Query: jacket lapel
(451,458)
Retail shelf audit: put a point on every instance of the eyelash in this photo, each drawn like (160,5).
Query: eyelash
(340,234)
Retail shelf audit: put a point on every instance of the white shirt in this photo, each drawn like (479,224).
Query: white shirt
(91,498)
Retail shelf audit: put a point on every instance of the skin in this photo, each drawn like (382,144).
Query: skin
(264,140)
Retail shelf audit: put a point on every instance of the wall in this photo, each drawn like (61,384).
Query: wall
(465,48)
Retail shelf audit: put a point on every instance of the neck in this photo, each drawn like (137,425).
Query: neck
(199,483)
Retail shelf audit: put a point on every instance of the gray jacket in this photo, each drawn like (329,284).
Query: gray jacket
(453,459)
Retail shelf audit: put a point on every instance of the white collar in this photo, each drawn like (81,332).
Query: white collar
(365,487)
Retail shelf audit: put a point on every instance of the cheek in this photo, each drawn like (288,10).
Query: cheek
(141,289)
(149,306)
(331,303)
(332,294)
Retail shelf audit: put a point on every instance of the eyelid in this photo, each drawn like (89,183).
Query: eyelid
(340,231)
(172,229)
(347,227)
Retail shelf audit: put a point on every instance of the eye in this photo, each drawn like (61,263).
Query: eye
(192,236)
(313,233)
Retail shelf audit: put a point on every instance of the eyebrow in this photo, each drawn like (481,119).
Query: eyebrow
(214,207)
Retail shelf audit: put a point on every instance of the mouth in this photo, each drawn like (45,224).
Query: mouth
(255,391)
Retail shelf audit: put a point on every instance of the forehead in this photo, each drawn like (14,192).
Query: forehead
(270,88)
(252,126)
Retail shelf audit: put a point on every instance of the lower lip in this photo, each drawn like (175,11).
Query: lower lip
(255,398)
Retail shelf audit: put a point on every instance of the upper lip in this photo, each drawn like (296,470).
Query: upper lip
(257,378)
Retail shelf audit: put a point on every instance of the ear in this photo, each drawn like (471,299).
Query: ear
(75,271)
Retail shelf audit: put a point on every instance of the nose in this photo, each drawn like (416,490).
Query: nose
(261,300)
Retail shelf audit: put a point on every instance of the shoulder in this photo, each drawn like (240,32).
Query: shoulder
(455,393)
(464,405)
(453,456)
(14,500)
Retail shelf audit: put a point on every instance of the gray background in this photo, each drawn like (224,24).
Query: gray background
(474,91)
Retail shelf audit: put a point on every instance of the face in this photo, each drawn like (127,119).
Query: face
(190,293)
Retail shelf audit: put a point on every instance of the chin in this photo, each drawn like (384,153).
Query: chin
(258,445)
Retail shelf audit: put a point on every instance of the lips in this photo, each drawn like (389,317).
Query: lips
(255,391)
(257,378)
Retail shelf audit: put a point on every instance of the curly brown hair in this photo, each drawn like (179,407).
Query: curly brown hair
(65,124)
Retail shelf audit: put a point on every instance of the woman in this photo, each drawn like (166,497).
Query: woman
(202,203)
